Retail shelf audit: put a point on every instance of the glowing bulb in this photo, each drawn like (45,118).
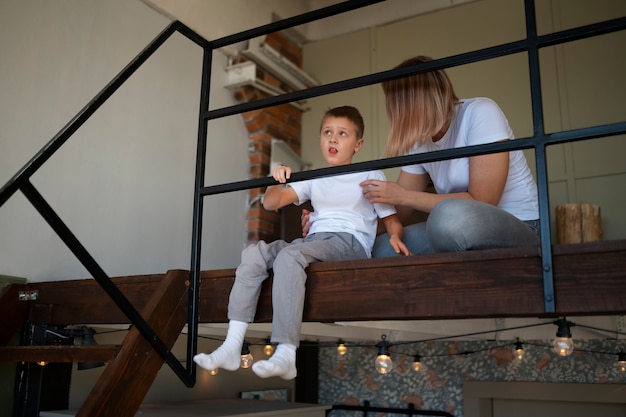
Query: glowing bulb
(383,364)
(621,361)
(563,346)
(246,356)
(341,348)
(417,363)
(214,371)
(268,349)
(519,350)
(42,363)
(246,361)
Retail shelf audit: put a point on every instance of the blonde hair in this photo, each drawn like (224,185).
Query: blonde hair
(418,107)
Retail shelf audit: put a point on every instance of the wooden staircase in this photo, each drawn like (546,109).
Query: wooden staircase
(132,367)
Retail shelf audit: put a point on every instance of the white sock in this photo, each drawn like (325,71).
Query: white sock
(228,355)
(282,363)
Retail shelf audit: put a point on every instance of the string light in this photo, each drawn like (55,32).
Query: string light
(341,348)
(246,356)
(621,361)
(519,350)
(417,363)
(42,363)
(214,371)
(563,345)
(383,362)
(268,349)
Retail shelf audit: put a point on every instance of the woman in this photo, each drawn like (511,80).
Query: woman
(481,202)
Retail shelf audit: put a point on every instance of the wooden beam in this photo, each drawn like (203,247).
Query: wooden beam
(14,312)
(62,353)
(590,279)
(84,301)
(125,382)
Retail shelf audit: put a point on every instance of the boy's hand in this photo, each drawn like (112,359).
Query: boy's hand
(281,173)
(398,246)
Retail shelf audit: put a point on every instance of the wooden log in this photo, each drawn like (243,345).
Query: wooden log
(578,223)
(591,222)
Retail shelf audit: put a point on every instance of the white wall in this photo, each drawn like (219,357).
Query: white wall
(582,85)
(124,182)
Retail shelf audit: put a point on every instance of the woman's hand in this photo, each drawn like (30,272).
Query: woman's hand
(386,192)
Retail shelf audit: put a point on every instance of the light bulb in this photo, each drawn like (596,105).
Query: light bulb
(383,364)
(341,348)
(621,361)
(268,349)
(563,346)
(214,371)
(417,363)
(246,361)
(246,356)
(519,350)
(42,363)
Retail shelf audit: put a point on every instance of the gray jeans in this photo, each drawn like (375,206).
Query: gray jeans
(288,261)
(458,225)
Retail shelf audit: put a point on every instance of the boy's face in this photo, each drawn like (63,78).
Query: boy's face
(338,140)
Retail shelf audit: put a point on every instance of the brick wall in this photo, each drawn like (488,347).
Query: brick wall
(279,122)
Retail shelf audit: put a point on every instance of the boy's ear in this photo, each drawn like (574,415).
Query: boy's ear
(359,145)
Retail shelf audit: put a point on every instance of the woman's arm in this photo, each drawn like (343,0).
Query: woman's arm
(487,178)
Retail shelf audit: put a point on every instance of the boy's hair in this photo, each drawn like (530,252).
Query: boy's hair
(350,113)
(418,107)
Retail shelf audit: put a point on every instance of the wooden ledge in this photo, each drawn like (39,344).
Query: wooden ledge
(589,279)
(70,353)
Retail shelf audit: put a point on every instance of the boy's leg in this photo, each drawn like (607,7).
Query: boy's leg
(256,259)
(288,293)
(228,355)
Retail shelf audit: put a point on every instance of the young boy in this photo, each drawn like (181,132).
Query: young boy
(343,226)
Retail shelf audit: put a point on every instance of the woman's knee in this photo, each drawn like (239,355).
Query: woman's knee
(452,225)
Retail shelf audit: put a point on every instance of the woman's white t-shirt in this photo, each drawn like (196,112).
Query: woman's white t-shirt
(478,121)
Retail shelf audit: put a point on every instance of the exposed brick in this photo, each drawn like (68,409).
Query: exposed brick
(281,122)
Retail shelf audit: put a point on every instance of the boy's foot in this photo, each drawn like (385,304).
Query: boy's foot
(282,364)
(223,357)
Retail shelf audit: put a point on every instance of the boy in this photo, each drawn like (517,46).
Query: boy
(343,226)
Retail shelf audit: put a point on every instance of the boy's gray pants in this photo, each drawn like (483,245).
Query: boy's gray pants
(288,260)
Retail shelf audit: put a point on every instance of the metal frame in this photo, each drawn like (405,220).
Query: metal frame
(538,142)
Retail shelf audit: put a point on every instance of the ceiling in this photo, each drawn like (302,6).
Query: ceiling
(214,19)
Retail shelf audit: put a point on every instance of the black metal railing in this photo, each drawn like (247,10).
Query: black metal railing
(366,409)
(538,142)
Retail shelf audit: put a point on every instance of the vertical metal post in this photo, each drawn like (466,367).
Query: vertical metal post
(540,155)
(196,243)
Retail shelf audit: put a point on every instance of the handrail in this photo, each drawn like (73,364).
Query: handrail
(538,142)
